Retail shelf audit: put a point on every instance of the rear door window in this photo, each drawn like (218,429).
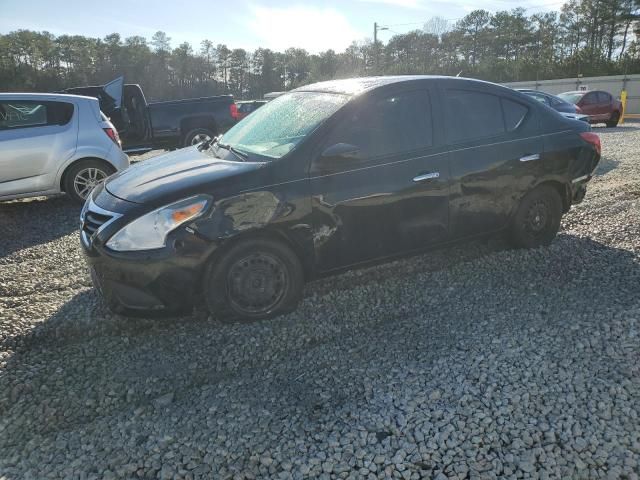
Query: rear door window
(393,124)
(604,97)
(514,114)
(28,113)
(474,115)
(590,99)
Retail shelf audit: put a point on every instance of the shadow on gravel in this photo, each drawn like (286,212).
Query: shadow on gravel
(627,126)
(606,165)
(26,223)
(318,362)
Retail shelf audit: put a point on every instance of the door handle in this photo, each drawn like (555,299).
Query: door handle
(529,158)
(426,176)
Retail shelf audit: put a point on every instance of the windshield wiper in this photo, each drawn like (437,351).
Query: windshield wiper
(207,143)
(238,153)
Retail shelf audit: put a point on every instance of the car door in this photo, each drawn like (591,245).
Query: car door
(589,106)
(390,192)
(113,93)
(495,157)
(35,137)
(604,106)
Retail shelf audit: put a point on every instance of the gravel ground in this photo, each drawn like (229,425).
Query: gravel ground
(471,362)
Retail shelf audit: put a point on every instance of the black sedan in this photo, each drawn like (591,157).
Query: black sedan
(328,177)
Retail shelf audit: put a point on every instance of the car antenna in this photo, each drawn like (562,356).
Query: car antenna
(459,73)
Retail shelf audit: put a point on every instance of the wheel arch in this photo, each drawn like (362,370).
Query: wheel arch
(563,189)
(272,234)
(200,121)
(63,177)
(559,186)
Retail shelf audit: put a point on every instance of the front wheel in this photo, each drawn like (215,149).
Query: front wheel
(537,221)
(613,121)
(254,280)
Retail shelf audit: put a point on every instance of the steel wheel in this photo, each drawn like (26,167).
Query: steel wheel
(537,220)
(87,179)
(257,283)
(199,138)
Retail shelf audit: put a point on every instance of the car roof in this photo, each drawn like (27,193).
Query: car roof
(523,90)
(354,86)
(44,96)
(546,94)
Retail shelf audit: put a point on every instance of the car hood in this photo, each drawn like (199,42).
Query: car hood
(183,172)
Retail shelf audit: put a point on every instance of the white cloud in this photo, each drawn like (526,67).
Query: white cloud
(417,4)
(314,29)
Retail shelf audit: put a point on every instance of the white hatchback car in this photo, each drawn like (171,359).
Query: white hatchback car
(53,143)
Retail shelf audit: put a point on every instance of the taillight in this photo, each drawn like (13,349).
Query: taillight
(578,109)
(233,109)
(112,133)
(593,139)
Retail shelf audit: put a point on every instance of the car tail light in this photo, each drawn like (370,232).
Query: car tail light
(233,109)
(578,109)
(593,139)
(112,133)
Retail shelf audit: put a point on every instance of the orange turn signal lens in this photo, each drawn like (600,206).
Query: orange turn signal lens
(186,213)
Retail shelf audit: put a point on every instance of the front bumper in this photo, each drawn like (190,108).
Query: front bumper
(143,284)
(161,280)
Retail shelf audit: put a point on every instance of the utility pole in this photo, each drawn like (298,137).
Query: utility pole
(376,27)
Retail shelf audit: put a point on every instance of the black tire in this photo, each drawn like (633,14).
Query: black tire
(198,135)
(276,277)
(82,171)
(613,122)
(537,220)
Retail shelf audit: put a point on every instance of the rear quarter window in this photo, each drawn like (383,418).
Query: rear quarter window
(60,112)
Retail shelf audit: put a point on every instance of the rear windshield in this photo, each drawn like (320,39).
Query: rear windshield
(279,126)
(571,97)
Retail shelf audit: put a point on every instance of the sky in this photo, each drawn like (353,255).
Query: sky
(249,24)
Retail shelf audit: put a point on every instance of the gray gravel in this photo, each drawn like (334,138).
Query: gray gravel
(471,362)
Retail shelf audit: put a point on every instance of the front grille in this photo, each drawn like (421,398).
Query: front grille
(93,221)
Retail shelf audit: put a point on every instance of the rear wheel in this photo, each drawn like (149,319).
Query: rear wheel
(537,220)
(255,279)
(198,135)
(84,176)
(613,121)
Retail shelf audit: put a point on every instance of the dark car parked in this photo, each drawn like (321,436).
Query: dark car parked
(600,106)
(552,101)
(172,124)
(245,107)
(567,109)
(327,177)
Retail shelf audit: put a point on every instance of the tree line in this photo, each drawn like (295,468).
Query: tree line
(588,37)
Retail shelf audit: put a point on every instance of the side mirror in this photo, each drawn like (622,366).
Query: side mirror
(341,151)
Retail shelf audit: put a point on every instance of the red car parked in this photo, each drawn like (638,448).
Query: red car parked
(599,105)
